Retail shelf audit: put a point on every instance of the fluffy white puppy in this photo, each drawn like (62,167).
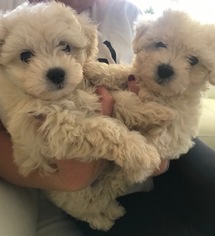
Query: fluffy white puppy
(52,114)
(173,64)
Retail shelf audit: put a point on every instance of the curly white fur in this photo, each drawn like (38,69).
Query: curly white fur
(173,63)
(52,114)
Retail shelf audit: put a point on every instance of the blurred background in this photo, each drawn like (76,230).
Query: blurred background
(202,10)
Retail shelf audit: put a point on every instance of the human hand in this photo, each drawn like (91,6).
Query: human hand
(132,84)
(164,166)
(71,175)
(106,99)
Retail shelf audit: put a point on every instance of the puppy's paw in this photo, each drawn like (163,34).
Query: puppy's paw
(114,211)
(157,115)
(94,72)
(142,159)
(106,219)
(100,222)
(165,116)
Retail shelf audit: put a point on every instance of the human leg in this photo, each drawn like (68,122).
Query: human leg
(18,210)
(181,203)
(163,211)
(186,194)
(52,221)
(197,171)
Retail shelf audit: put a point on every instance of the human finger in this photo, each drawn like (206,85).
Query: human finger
(77,175)
(132,85)
(107,100)
(164,166)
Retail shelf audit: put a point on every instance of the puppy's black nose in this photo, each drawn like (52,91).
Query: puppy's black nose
(165,71)
(56,75)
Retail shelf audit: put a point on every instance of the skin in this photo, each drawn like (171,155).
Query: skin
(71,175)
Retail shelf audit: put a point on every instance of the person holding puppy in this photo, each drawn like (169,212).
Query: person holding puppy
(167,202)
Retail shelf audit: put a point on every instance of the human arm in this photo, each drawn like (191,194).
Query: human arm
(71,175)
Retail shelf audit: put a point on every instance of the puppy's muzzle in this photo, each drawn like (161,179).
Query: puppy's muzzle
(56,76)
(165,73)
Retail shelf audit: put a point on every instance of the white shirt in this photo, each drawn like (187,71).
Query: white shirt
(116,22)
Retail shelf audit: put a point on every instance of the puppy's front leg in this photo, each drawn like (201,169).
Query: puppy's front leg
(112,76)
(103,137)
(135,113)
(96,203)
(28,144)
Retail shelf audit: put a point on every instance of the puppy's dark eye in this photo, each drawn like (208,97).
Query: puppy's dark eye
(193,60)
(160,45)
(25,56)
(65,47)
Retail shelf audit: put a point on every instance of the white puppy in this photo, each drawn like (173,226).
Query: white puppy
(52,114)
(173,64)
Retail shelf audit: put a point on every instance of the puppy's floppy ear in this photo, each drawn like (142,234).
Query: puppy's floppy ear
(212,77)
(92,48)
(90,29)
(140,29)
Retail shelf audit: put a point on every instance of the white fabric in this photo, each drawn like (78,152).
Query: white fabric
(115,19)
(18,210)
(9,4)
(18,206)
(52,221)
